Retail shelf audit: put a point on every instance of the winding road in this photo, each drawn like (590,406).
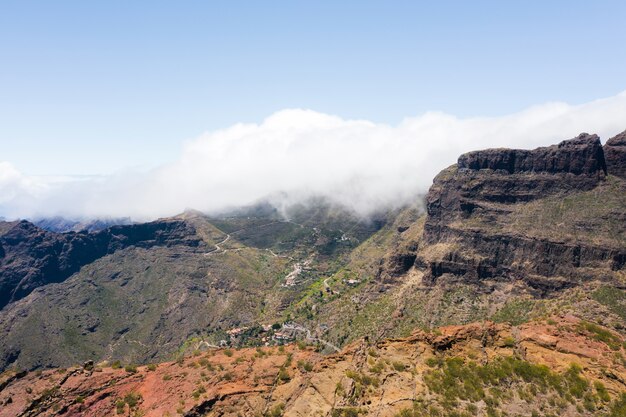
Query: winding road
(309,336)
(218,249)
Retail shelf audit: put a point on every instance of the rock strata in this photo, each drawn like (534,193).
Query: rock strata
(615,154)
(582,155)
(470,229)
(31,257)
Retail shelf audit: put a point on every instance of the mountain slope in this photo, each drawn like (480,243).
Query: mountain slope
(562,366)
(509,235)
(139,292)
(533,240)
(31,257)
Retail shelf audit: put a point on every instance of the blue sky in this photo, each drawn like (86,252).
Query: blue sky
(92,87)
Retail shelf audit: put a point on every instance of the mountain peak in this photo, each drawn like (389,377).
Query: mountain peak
(582,155)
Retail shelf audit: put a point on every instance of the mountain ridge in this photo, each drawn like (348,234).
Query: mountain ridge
(520,256)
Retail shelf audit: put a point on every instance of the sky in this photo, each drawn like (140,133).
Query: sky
(107,96)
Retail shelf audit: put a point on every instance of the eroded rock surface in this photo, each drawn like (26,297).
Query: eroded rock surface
(472,229)
(552,359)
(615,154)
(31,257)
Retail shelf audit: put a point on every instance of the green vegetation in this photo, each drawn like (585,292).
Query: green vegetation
(276,411)
(561,216)
(422,410)
(283,375)
(378,367)
(131,399)
(347,412)
(618,408)
(613,298)
(460,385)
(398,366)
(131,369)
(261,353)
(363,379)
(600,334)
(508,342)
(514,312)
(198,392)
(120,405)
(305,366)
(457,380)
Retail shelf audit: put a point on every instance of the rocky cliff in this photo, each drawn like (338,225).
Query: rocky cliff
(486,216)
(31,257)
(615,154)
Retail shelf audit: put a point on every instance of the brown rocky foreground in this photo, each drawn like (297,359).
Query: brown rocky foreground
(561,366)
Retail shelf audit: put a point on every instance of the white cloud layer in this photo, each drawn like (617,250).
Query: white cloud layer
(361,164)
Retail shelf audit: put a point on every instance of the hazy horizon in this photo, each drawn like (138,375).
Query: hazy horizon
(301,153)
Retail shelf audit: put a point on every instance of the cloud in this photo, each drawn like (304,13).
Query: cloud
(18,190)
(299,153)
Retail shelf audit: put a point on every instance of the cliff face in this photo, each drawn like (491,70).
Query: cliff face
(582,155)
(486,215)
(509,176)
(31,257)
(615,154)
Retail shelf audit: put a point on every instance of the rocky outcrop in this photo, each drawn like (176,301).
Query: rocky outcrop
(579,156)
(510,176)
(470,201)
(544,265)
(396,264)
(31,257)
(380,379)
(615,155)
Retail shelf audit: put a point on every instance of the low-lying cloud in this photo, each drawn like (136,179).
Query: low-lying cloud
(358,163)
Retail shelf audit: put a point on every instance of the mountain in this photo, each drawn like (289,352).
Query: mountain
(561,366)
(139,292)
(509,235)
(544,216)
(502,292)
(61,224)
(615,155)
(32,257)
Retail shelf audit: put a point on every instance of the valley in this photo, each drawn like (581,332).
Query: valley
(499,292)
